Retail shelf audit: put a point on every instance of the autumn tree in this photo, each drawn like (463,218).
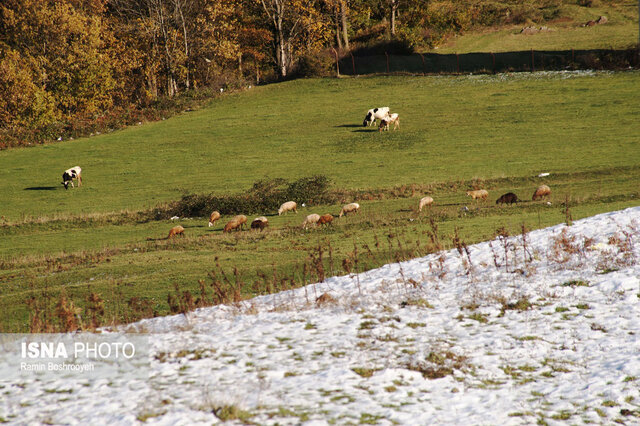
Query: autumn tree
(294,24)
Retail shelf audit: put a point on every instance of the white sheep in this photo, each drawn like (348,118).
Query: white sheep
(288,206)
(373,114)
(312,219)
(425,201)
(349,208)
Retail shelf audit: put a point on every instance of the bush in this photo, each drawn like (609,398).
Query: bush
(318,64)
(392,47)
(264,196)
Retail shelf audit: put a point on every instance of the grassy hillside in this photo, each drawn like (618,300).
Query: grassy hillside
(453,128)
(497,132)
(564,33)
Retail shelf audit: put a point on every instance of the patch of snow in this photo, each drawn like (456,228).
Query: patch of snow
(547,333)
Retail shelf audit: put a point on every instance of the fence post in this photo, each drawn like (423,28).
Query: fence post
(337,62)
(533,66)
(353,63)
(424,66)
(387,55)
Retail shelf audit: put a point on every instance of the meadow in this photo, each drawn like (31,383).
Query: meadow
(457,133)
(564,33)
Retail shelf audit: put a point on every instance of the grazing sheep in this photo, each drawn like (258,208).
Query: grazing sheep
(260,223)
(425,201)
(214,216)
(373,114)
(508,198)
(235,223)
(176,230)
(325,219)
(69,175)
(543,191)
(312,219)
(288,206)
(350,208)
(478,193)
(392,118)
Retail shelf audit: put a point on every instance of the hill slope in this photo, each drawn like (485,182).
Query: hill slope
(548,337)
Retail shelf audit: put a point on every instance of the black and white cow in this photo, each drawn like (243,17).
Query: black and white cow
(375,113)
(69,175)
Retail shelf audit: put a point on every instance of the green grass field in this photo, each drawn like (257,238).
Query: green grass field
(498,132)
(565,33)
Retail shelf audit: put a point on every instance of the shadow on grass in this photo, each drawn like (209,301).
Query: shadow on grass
(349,125)
(41,188)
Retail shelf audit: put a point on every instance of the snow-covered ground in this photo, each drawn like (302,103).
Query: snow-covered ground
(552,336)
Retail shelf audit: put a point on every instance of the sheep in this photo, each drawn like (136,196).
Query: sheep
(312,219)
(392,118)
(349,208)
(543,191)
(235,223)
(478,193)
(288,206)
(425,201)
(373,114)
(325,219)
(176,230)
(214,216)
(259,223)
(70,174)
(508,198)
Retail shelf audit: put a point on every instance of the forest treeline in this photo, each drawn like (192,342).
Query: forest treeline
(68,67)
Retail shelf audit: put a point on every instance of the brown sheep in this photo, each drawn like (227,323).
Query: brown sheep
(214,216)
(508,198)
(543,191)
(176,230)
(425,201)
(350,208)
(325,219)
(260,223)
(235,223)
(478,193)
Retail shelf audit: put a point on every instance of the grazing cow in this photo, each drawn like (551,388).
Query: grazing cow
(508,198)
(373,114)
(385,122)
(69,175)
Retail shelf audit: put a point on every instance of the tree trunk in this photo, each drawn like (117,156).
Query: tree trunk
(392,17)
(281,55)
(338,35)
(343,23)
(186,44)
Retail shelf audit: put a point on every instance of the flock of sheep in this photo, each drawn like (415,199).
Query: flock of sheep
(386,119)
(237,222)
(314,219)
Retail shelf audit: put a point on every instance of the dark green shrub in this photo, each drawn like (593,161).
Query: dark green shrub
(264,196)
